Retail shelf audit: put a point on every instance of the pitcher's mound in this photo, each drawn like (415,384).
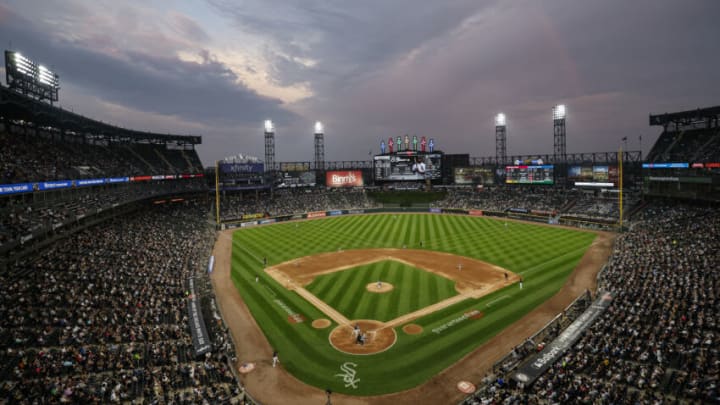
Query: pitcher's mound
(321,323)
(382,288)
(376,339)
(412,329)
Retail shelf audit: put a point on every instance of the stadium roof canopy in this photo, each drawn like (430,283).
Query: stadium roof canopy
(18,107)
(689,117)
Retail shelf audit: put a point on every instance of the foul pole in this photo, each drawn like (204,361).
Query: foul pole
(217,193)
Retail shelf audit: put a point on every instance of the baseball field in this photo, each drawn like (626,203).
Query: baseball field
(424,290)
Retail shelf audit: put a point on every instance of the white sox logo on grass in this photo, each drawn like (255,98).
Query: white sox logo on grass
(348,374)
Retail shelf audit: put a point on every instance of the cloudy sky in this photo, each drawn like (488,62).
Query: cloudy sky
(375,68)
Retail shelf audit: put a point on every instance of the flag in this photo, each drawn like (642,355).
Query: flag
(624,138)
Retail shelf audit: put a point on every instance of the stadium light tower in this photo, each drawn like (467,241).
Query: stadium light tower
(319,146)
(269,146)
(500,139)
(29,78)
(560,148)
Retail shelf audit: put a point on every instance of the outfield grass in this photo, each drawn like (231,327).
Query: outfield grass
(413,289)
(544,256)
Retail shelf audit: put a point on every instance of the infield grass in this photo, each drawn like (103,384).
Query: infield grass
(544,256)
(413,289)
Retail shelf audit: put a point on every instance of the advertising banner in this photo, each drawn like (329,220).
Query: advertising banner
(200,339)
(228,168)
(16,188)
(211,264)
(536,365)
(475,213)
(665,165)
(89,182)
(335,213)
(54,185)
(118,179)
(252,216)
(316,214)
(346,178)
(140,178)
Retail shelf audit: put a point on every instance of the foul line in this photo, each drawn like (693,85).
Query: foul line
(322,306)
(489,304)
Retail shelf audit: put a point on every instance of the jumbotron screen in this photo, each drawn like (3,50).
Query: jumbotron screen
(408,166)
(541,174)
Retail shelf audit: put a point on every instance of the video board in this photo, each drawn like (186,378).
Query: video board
(593,175)
(521,174)
(408,166)
(474,175)
(295,179)
(242,176)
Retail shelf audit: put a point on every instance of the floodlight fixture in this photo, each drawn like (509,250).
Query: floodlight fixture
(500,120)
(318,127)
(559,112)
(30,78)
(269,128)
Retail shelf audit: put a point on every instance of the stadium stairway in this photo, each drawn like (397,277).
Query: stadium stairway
(163,159)
(634,210)
(714,138)
(136,155)
(675,141)
(189,162)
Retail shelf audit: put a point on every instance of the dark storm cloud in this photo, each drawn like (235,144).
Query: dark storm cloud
(205,91)
(385,68)
(612,62)
(349,38)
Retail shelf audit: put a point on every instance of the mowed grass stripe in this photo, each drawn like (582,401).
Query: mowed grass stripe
(355,302)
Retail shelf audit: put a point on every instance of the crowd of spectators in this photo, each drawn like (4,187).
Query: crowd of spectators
(503,198)
(101,317)
(30,155)
(658,341)
(687,145)
(570,204)
(293,201)
(24,214)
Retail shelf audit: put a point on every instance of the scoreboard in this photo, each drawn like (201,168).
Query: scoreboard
(540,174)
(408,166)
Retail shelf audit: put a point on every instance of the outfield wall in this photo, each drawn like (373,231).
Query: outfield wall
(529,216)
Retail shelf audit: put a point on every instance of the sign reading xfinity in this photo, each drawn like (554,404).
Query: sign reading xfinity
(351,178)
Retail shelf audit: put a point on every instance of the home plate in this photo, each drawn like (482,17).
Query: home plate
(466,387)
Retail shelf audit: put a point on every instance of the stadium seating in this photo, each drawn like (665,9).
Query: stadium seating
(293,201)
(102,317)
(658,342)
(687,145)
(36,155)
